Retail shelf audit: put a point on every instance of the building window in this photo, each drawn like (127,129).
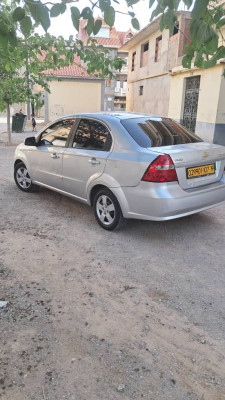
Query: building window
(103,33)
(133,61)
(158,45)
(141,90)
(108,83)
(144,54)
(175,29)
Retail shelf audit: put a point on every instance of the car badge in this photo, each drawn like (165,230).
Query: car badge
(206,154)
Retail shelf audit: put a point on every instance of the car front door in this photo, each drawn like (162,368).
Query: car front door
(86,157)
(46,158)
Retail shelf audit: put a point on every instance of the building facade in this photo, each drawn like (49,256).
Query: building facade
(158,84)
(75,92)
(115,89)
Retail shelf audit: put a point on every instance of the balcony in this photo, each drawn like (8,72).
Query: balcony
(124,70)
(120,91)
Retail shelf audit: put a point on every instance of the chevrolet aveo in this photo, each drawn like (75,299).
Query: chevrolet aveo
(124,165)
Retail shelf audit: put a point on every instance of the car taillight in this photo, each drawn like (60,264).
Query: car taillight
(162,169)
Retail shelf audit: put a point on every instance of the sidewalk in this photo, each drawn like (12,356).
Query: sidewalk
(18,137)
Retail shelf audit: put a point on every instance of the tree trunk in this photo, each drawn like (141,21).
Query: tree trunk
(8,122)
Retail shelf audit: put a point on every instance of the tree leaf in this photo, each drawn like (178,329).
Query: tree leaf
(199,9)
(109,16)
(86,13)
(199,59)
(3,41)
(40,13)
(26,25)
(44,18)
(151,2)
(217,56)
(135,23)
(97,26)
(220,23)
(18,14)
(130,3)
(12,37)
(186,61)
(90,25)
(104,4)
(75,16)
(168,20)
(57,9)
(203,34)
(188,3)
(218,15)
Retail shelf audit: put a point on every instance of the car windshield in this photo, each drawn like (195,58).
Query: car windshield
(158,132)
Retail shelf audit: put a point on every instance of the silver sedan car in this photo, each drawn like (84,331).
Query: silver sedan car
(125,165)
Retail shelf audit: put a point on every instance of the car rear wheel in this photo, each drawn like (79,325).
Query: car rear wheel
(107,210)
(22,178)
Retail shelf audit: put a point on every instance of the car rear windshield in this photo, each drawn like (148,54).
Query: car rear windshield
(158,132)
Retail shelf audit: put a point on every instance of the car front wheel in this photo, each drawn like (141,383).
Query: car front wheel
(107,210)
(22,178)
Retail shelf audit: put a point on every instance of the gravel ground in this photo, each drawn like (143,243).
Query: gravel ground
(94,315)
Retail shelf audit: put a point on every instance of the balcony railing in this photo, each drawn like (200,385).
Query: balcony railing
(120,91)
(124,69)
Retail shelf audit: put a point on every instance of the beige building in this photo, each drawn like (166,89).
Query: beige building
(158,84)
(76,92)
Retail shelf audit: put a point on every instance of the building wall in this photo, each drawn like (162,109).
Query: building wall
(211,110)
(155,98)
(155,76)
(73,96)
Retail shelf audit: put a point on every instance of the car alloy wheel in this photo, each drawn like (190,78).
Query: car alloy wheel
(22,178)
(107,210)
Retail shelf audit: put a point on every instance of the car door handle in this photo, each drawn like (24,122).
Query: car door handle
(93,161)
(54,155)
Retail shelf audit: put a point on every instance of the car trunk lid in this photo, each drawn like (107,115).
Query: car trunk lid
(197,164)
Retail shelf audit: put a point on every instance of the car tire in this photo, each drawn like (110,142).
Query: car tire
(107,210)
(22,178)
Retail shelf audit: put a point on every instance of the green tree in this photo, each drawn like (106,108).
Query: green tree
(25,56)
(208,17)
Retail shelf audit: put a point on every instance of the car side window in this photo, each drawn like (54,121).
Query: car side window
(92,135)
(57,134)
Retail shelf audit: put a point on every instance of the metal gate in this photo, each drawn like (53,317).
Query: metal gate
(191,102)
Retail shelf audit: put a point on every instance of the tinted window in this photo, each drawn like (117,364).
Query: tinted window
(153,133)
(92,135)
(57,134)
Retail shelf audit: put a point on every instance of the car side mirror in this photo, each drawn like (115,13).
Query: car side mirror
(30,141)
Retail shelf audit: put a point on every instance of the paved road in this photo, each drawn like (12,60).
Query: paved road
(95,315)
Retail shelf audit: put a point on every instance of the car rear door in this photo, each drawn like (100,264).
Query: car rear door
(85,159)
(45,159)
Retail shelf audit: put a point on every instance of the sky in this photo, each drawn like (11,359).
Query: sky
(62,25)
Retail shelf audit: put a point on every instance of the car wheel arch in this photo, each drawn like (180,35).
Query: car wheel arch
(17,162)
(94,191)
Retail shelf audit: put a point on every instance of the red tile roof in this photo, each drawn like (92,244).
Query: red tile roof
(116,39)
(74,70)
(77,70)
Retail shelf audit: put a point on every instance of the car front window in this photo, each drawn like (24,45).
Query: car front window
(57,134)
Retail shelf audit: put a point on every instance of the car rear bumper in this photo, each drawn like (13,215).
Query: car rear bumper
(163,201)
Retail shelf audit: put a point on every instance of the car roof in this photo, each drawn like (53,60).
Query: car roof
(113,115)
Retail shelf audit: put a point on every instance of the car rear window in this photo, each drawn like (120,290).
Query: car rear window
(158,132)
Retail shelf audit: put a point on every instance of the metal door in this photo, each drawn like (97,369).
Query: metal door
(191,102)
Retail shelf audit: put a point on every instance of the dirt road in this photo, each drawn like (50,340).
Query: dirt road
(94,315)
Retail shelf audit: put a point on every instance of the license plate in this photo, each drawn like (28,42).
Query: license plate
(202,170)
